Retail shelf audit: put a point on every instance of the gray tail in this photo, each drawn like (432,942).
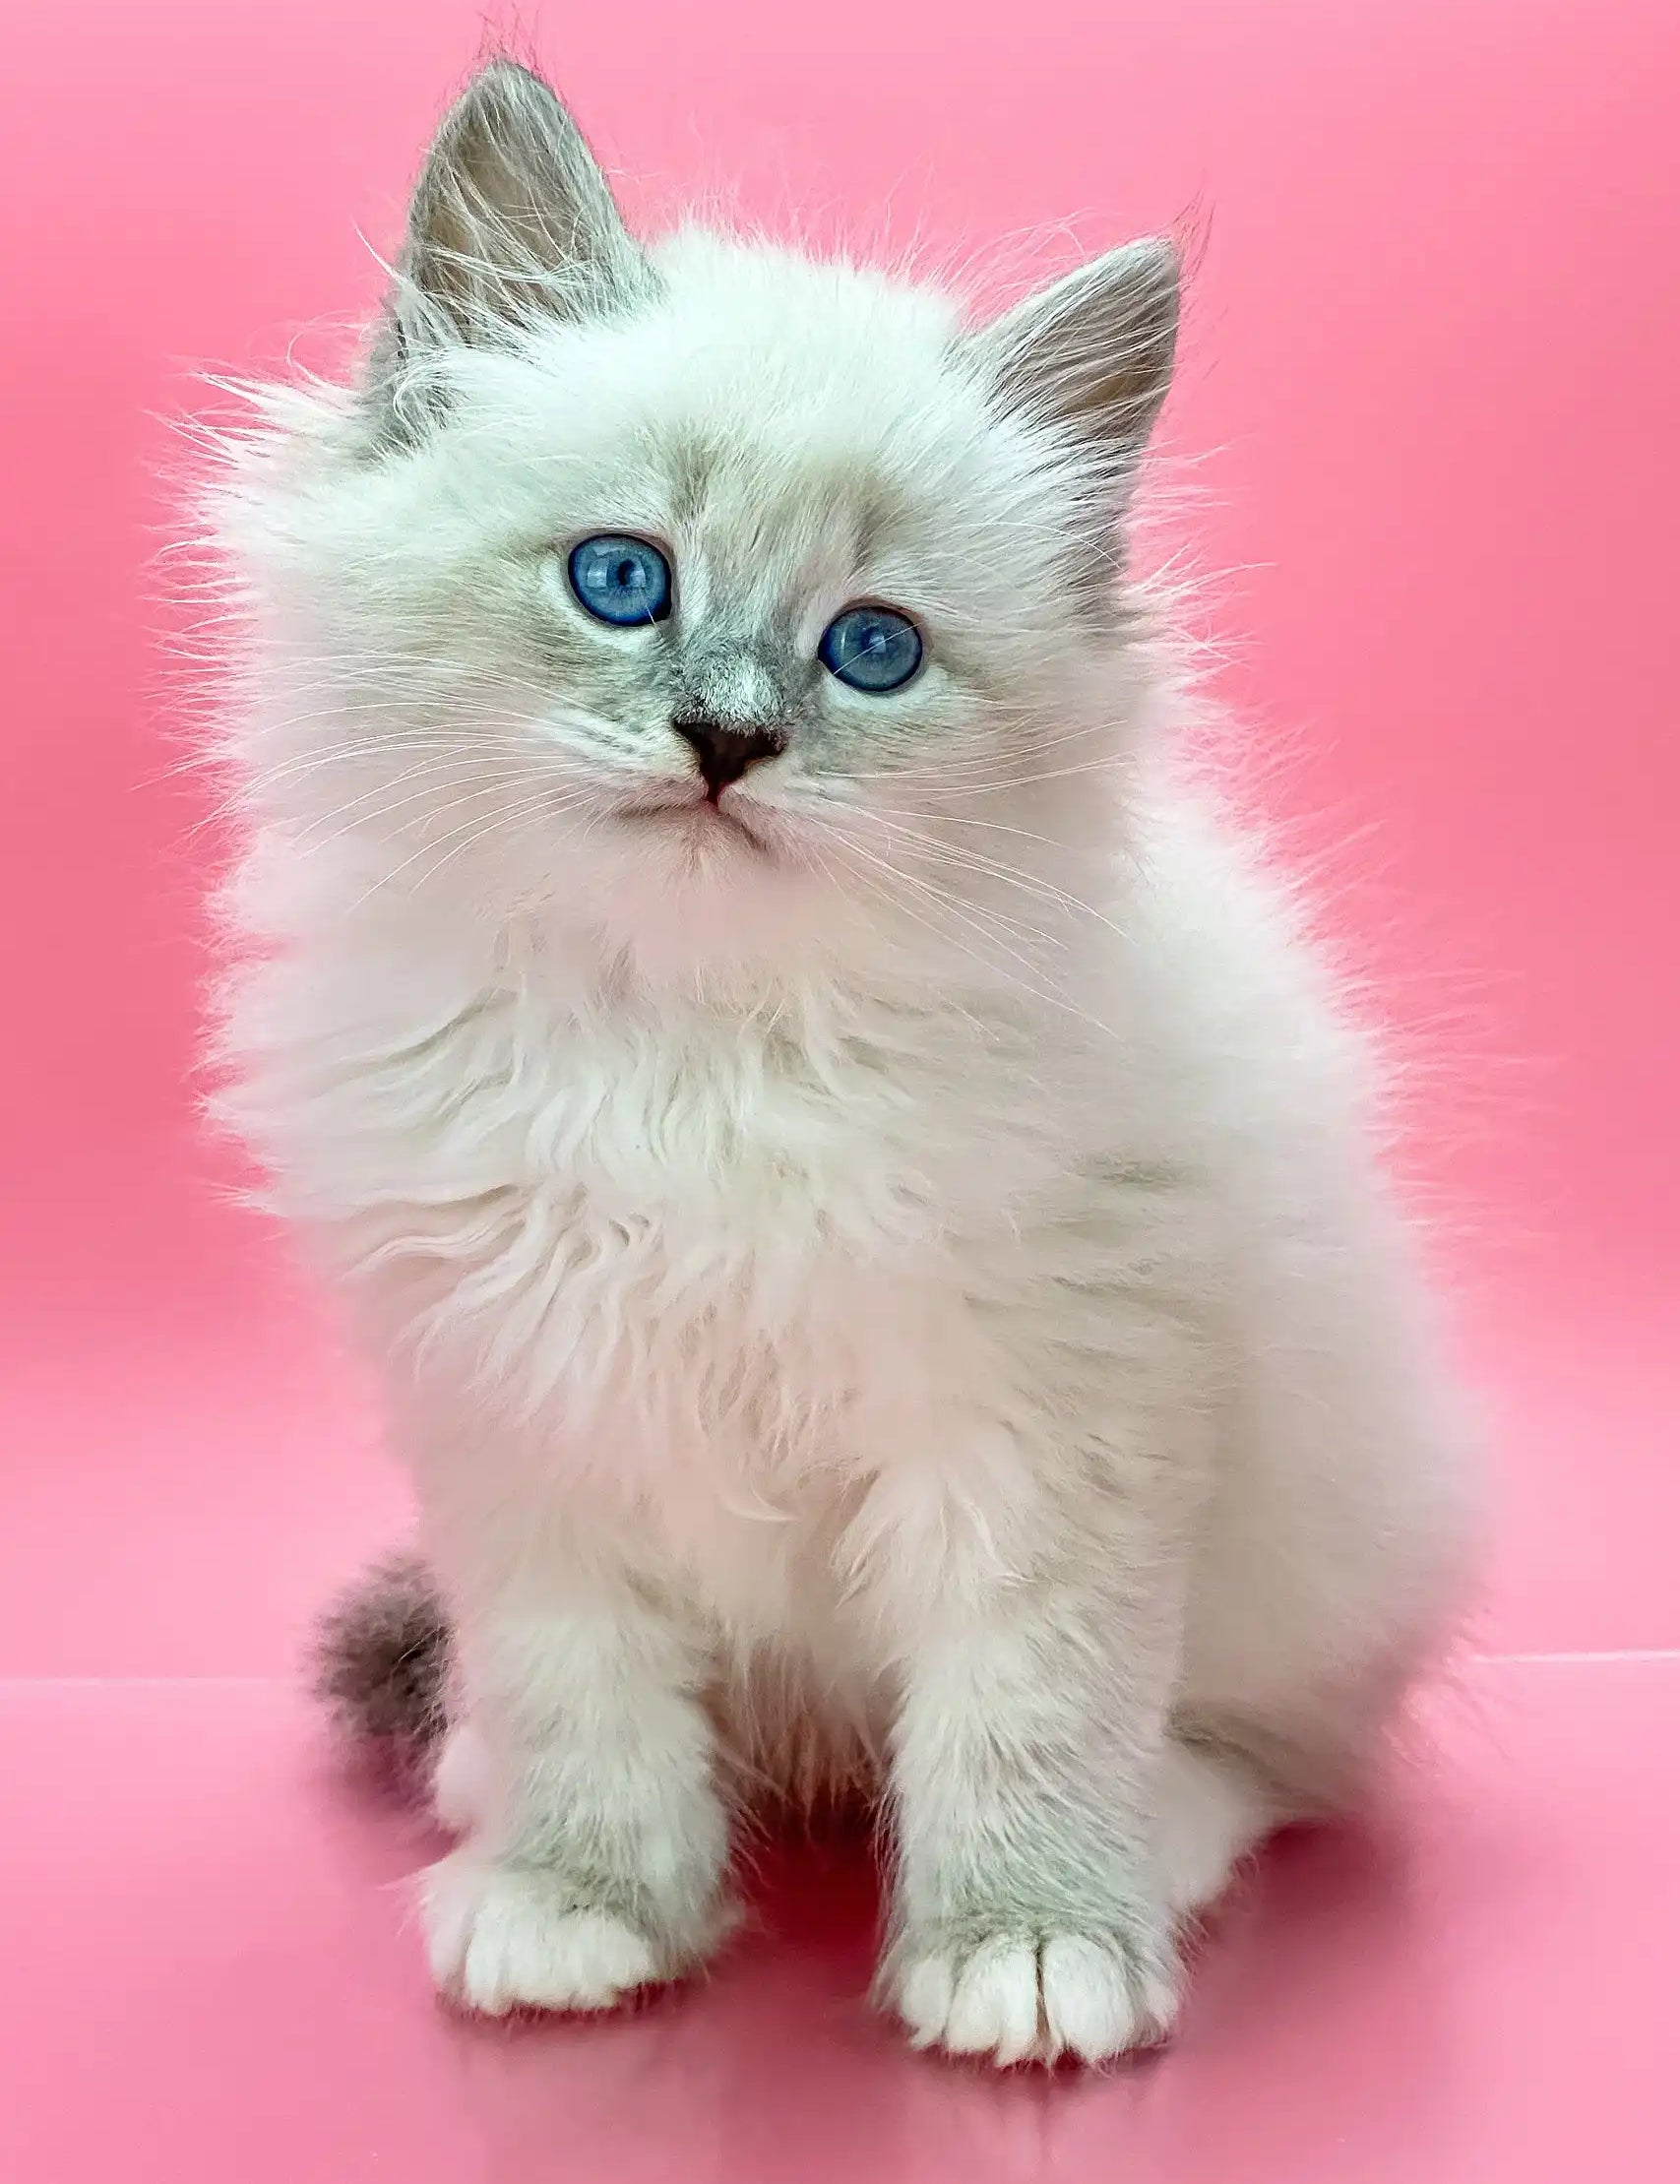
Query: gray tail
(382,1656)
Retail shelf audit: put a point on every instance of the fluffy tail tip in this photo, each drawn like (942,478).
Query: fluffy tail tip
(381,1657)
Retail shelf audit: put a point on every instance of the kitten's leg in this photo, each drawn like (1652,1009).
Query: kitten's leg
(462,1779)
(1211,1809)
(597,1843)
(1030,1915)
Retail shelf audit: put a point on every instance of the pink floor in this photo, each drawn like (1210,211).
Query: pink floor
(1429,394)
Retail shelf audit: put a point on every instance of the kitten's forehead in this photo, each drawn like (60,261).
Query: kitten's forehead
(802,396)
(766,391)
(760,510)
(798,324)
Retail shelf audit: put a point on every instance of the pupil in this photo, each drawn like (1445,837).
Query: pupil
(628,575)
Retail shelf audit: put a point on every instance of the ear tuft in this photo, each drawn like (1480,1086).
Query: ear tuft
(511,222)
(1094,352)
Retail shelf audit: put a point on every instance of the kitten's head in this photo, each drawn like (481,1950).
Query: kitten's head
(711,600)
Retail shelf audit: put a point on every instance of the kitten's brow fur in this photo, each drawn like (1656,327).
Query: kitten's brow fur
(882,1282)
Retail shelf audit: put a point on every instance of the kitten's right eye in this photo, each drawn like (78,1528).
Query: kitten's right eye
(619,580)
(873,648)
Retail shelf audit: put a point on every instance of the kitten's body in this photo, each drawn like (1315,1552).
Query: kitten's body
(894,1285)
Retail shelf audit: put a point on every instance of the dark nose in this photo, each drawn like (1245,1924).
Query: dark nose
(725,752)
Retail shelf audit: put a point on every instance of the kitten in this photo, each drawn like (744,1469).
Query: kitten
(859,1190)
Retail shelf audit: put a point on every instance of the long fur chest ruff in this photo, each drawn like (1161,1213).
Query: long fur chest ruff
(745,1251)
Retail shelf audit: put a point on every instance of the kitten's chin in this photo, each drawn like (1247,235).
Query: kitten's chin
(695,891)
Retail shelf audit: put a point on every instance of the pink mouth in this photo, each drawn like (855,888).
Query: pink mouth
(699,819)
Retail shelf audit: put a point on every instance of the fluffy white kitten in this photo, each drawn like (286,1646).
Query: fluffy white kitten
(861,1194)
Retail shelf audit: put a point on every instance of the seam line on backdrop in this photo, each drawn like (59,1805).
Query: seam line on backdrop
(1617,1652)
(141,1683)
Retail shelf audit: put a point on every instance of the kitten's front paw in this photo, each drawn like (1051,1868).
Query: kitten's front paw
(504,1938)
(1018,1998)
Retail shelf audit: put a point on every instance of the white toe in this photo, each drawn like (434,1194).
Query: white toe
(1088,2001)
(925,1989)
(994,2009)
(503,1940)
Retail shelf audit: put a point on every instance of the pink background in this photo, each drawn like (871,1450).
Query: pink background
(1426,422)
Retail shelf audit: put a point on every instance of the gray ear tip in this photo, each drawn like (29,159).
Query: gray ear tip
(1155,262)
(1154,282)
(510,219)
(509,84)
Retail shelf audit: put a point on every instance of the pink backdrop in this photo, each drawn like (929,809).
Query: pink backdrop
(1427,415)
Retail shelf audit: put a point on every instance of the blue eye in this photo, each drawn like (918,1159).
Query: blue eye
(621,581)
(871,648)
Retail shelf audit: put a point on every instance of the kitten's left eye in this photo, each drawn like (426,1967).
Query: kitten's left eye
(621,581)
(871,648)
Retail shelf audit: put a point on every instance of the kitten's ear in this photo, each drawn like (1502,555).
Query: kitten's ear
(511,222)
(1094,351)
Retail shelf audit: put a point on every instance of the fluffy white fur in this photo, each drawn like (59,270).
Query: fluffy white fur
(892,1283)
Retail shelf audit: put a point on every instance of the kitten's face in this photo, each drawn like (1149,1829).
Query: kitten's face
(879,592)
